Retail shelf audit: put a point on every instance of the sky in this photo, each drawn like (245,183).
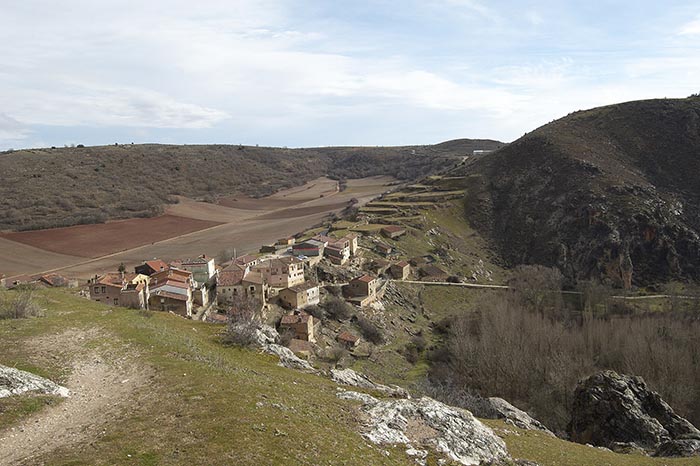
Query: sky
(318,73)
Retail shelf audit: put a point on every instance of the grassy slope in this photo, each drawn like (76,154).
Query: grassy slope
(201,407)
(546,450)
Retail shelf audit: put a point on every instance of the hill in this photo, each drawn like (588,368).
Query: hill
(609,193)
(46,188)
(158,389)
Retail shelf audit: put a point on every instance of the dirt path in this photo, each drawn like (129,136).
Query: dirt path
(101,389)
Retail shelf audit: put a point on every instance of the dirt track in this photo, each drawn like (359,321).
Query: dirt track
(101,389)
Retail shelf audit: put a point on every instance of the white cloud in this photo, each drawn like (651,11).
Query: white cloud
(11,130)
(691,28)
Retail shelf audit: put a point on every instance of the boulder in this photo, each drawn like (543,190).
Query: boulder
(16,382)
(354,379)
(426,423)
(611,409)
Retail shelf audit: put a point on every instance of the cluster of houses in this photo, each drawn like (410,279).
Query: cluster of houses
(176,287)
(199,287)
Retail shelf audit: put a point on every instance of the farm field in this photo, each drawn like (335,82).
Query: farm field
(107,238)
(190,228)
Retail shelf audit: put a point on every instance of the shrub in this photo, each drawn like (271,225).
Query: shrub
(19,304)
(243,322)
(369,331)
(337,308)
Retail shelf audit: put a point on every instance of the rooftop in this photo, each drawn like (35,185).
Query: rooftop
(364,278)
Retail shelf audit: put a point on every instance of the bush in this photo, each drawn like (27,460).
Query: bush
(316,311)
(19,304)
(369,331)
(337,308)
(243,322)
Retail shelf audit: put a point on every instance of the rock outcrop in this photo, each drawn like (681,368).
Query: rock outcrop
(619,411)
(498,408)
(287,358)
(17,382)
(354,379)
(426,423)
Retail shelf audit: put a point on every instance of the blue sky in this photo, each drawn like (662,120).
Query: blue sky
(312,73)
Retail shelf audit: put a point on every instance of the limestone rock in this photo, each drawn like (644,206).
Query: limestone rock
(610,409)
(16,382)
(424,422)
(287,358)
(354,379)
(498,408)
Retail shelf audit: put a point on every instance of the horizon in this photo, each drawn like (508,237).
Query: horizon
(299,75)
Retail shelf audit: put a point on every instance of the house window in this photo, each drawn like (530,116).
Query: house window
(116,301)
(104,289)
(97,290)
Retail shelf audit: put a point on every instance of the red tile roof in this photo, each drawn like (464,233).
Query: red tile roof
(403,264)
(230,277)
(365,278)
(295,318)
(348,337)
(157,265)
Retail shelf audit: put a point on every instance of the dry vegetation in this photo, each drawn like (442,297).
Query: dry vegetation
(530,348)
(47,188)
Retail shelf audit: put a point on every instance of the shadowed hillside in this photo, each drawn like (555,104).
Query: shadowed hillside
(611,192)
(43,188)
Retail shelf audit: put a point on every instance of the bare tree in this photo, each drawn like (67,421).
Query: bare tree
(243,321)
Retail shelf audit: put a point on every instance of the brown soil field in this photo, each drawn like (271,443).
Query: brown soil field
(301,211)
(221,228)
(315,189)
(108,238)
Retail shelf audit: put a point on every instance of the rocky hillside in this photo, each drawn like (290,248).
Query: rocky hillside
(42,188)
(609,193)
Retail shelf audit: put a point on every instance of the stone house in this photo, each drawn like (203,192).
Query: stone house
(233,284)
(366,285)
(301,323)
(401,270)
(393,231)
(433,273)
(300,296)
(309,248)
(165,299)
(203,269)
(283,272)
(148,268)
(348,340)
(113,288)
(383,249)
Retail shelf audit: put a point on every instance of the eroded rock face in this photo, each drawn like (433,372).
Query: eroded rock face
(354,379)
(610,410)
(17,382)
(424,422)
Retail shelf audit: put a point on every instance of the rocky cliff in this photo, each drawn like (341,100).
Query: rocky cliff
(608,193)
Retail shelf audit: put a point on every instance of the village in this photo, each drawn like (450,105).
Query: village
(286,285)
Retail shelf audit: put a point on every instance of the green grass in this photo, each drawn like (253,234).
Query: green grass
(201,407)
(15,408)
(550,451)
